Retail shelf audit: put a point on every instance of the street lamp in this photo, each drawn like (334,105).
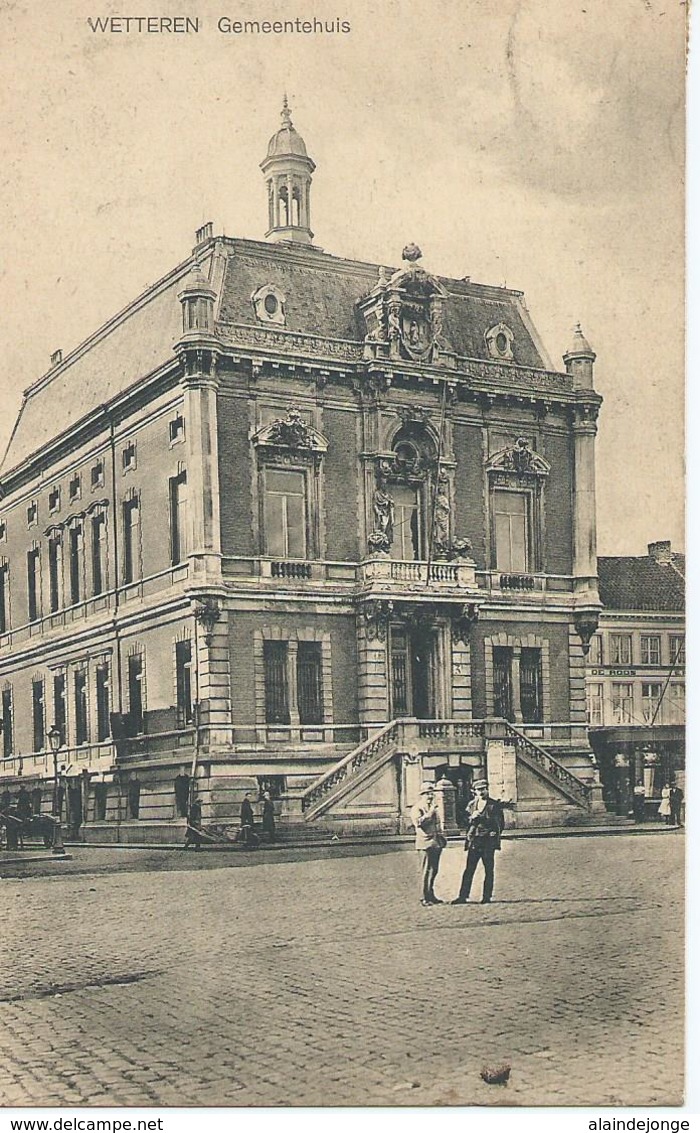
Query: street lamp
(55,736)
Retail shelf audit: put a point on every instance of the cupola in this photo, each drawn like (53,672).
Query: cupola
(288,170)
(579,359)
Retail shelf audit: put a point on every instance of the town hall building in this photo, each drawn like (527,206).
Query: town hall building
(307,525)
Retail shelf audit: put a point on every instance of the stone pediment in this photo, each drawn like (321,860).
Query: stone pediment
(291,432)
(519,460)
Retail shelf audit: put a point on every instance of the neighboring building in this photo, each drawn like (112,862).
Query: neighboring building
(300,523)
(635,674)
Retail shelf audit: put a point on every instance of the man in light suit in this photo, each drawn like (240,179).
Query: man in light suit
(485,818)
(430,841)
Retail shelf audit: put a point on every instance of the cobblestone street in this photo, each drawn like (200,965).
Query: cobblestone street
(151,977)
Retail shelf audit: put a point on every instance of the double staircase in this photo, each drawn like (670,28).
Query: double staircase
(329,797)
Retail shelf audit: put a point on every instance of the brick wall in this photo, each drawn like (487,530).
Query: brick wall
(235,470)
(558,552)
(340,485)
(470,519)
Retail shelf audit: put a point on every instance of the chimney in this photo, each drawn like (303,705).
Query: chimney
(660,552)
(56,357)
(204,233)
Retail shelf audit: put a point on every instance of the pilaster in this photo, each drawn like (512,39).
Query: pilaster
(201,416)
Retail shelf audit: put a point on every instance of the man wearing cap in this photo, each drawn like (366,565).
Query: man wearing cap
(485,818)
(430,841)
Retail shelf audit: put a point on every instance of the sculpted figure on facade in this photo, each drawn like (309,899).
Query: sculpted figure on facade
(383,509)
(442,516)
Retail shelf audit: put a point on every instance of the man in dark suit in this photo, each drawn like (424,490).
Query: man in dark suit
(485,818)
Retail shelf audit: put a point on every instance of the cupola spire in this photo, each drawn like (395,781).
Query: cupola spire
(288,170)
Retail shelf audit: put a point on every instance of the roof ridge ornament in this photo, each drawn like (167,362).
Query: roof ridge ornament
(286,114)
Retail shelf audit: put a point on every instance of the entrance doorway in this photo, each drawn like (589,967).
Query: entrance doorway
(416,672)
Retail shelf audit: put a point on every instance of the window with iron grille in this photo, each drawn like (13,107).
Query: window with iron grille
(309,682)
(38,715)
(399,672)
(33,585)
(59,704)
(81,712)
(102,696)
(276,691)
(7,728)
(503,681)
(183,674)
(531,686)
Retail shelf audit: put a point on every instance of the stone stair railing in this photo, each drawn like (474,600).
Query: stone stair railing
(542,763)
(379,747)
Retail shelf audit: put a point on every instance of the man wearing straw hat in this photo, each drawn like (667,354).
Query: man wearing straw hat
(430,841)
(485,816)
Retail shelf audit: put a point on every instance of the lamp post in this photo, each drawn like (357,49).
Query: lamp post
(55,736)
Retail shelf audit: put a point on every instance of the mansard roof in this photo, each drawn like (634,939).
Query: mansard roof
(321,293)
(627,582)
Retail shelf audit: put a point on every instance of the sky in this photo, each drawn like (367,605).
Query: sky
(537,143)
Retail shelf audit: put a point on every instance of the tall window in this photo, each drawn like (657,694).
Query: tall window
(55,556)
(7,723)
(178,517)
(38,715)
(531,686)
(75,563)
(276,691)
(408,534)
(651,698)
(135,676)
(309,682)
(81,711)
(131,515)
(59,704)
(677,649)
(183,672)
(102,696)
(98,552)
(512,529)
(622,703)
(33,586)
(400,683)
(503,682)
(651,649)
(595,653)
(620,649)
(594,704)
(4,597)
(285,514)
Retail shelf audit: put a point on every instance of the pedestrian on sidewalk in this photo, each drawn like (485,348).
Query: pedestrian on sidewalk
(268,816)
(247,835)
(676,804)
(193,834)
(665,804)
(639,801)
(430,842)
(486,822)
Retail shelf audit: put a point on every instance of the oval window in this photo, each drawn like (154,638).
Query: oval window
(271,304)
(501,343)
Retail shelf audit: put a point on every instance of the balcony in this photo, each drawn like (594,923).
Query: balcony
(397,576)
